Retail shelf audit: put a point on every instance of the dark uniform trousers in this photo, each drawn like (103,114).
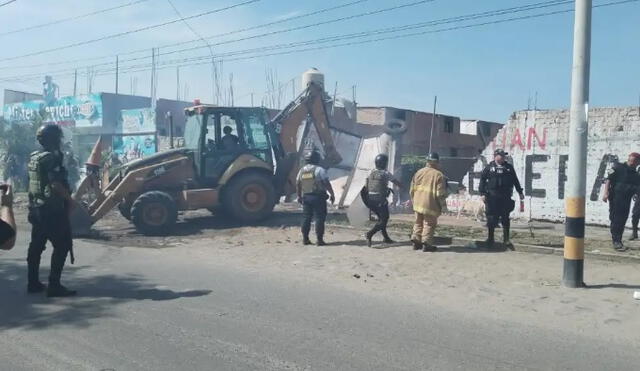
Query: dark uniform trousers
(380,206)
(635,214)
(498,208)
(619,206)
(52,226)
(314,204)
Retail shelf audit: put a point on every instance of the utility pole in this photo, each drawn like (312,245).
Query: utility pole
(178,83)
(433,121)
(573,269)
(75,82)
(117,66)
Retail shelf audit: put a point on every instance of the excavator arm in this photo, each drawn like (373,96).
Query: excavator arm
(309,105)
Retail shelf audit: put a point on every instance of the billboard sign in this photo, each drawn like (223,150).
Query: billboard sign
(133,147)
(83,111)
(137,121)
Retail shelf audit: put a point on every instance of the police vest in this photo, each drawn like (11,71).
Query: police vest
(500,179)
(40,192)
(377,182)
(627,179)
(308,181)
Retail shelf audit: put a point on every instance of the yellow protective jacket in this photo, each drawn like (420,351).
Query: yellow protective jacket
(429,192)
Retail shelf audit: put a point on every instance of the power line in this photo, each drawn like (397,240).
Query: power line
(8,2)
(141,68)
(359,15)
(65,20)
(280,21)
(506,20)
(120,34)
(472,16)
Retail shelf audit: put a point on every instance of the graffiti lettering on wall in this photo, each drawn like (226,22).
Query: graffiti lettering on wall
(80,111)
(531,175)
(527,139)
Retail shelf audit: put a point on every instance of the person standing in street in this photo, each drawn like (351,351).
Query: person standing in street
(312,186)
(635,217)
(496,188)
(7,221)
(377,194)
(620,187)
(50,205)
(428,195)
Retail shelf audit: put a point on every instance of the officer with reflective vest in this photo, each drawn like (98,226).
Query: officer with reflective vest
(496,187)
(376,194)
(50,205)
(312,186)
(622,184)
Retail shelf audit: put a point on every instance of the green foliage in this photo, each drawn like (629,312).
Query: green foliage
(410,165)
(17,142)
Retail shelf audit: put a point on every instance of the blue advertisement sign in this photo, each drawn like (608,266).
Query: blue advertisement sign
(83,111)
(137,121)
(133,147)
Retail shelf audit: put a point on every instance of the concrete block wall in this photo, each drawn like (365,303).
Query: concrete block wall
(538,146)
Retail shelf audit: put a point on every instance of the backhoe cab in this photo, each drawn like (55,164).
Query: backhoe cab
(235,161)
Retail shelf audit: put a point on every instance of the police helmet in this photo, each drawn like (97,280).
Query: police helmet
(49,135)
(312,157)
(433,157)
(500,152)
(382,161)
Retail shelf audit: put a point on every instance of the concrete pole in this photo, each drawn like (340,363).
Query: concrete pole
(573,270)
(433,121)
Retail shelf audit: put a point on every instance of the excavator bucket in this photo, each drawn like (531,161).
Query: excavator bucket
(80,217)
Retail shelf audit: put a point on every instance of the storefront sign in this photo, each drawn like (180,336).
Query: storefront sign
(83,111)
(137,121)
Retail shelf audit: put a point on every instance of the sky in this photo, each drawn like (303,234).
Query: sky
(485,72)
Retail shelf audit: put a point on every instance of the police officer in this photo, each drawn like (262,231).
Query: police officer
(622,184)
(50,204)
(635,217)
(312,187)
(377,193)
(496,187)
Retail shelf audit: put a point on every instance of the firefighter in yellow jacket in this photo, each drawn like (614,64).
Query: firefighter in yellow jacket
(428,195)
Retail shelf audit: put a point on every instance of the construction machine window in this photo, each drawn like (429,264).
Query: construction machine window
(192,130)
(230,140)
(255,135)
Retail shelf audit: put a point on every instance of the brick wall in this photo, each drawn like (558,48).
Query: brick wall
(538,145)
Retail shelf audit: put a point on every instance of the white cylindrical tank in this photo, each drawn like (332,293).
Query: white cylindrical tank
(312,75)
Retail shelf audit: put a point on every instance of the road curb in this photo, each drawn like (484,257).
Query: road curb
(533,249)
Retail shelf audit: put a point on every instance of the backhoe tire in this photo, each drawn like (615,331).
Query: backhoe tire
(249,197)
(154,213)
(125,210)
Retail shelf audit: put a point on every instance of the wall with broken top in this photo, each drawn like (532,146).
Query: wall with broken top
(538,146)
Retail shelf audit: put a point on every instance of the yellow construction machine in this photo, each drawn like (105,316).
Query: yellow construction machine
(242,177)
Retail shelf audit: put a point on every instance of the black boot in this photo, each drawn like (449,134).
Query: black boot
(491,236)
(634,233)
(505,237)
(387,239)
(368,236)
(59,291)
(417,245)
(321,242)
(306,241)
(33,274)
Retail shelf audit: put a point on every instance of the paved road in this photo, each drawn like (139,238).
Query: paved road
(152,309)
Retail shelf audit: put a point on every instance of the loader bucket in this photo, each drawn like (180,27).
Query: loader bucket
(80,221)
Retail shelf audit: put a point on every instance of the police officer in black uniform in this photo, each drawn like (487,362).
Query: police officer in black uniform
(635,217)
(496,187)
(312,187)
(50,204)
(622,184)
(376,194)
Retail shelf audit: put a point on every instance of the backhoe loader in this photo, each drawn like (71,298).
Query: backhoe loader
(243,178)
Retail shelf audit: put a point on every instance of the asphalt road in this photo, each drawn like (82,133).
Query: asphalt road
(154,309)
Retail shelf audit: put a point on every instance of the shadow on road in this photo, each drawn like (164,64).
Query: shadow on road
(97,297)
(614,286)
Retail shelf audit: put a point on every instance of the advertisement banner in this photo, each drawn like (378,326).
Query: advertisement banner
(83,111)
(137,121)
(133,147)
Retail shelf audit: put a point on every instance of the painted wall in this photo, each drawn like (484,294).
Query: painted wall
(538,146)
